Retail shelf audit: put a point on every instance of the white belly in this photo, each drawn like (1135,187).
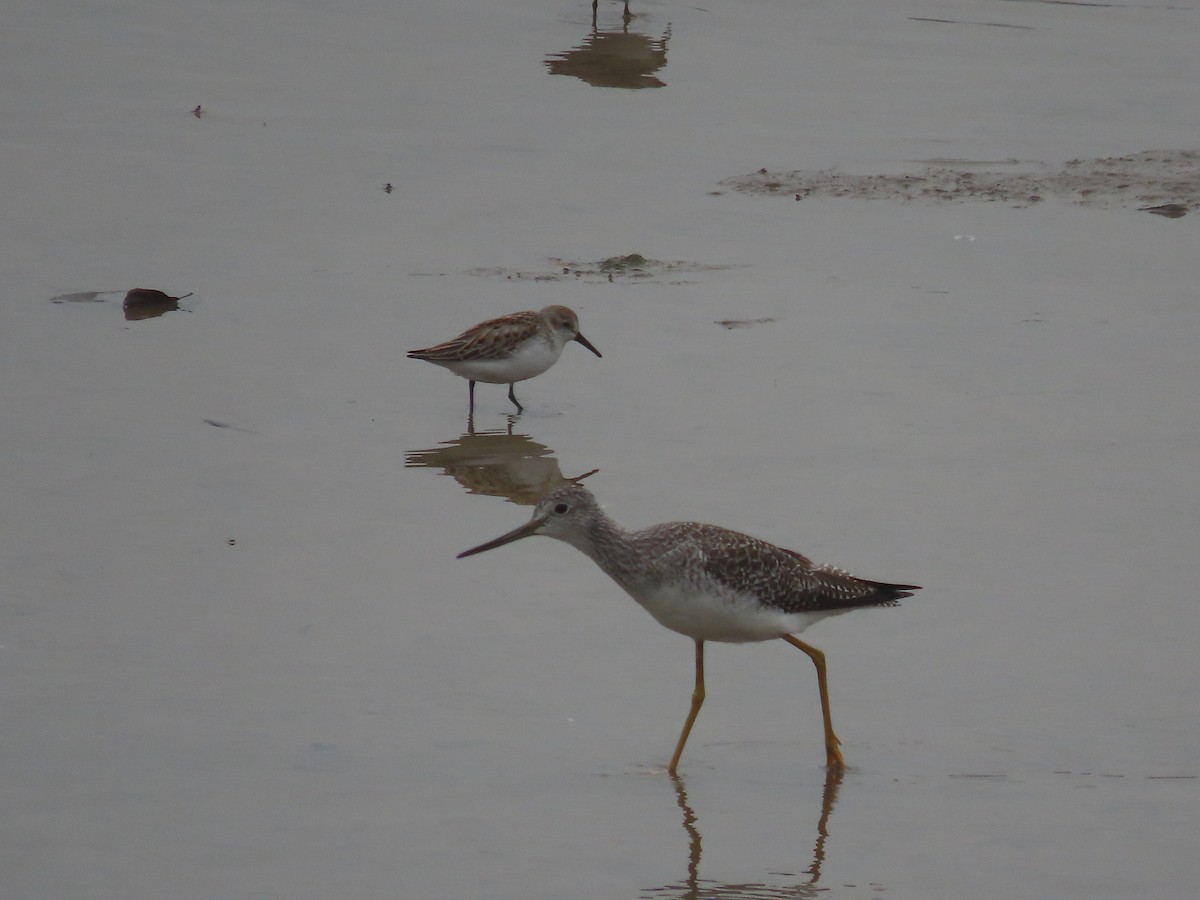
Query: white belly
(731,618)
(531,358)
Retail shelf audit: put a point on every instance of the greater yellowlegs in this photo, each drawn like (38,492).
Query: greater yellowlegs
(508,349)
(709,583)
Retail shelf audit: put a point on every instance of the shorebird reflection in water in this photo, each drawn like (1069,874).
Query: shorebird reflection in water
(508,349)
(709,583)
(614,59)
(496,464)
(694,886)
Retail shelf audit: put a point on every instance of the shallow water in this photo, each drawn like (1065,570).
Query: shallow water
(237,654)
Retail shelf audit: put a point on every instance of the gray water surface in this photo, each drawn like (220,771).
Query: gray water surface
(238,657)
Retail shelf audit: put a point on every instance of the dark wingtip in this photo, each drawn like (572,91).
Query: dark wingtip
(890,593)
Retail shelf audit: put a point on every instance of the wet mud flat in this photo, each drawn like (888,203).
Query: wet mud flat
(1153,178)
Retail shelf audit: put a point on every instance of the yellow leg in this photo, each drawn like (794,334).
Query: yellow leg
(833,747)
(697,702)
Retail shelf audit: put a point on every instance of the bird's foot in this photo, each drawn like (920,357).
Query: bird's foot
(833,754)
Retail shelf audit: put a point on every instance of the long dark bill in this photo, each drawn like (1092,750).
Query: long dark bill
(588,344)
(530,527)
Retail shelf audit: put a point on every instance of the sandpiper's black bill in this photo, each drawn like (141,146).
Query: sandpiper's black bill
(588,344)
(516,534)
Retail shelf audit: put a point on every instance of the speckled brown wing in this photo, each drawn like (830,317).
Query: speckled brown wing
(493,339)
(779,577)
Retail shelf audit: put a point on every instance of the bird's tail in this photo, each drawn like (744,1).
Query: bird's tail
(886,593)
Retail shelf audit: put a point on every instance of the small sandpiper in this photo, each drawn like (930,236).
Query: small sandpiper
(709,583)
(508,349)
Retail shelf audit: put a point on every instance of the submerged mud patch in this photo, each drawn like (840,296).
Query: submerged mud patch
(1161,178)
(731,324)
(631,266)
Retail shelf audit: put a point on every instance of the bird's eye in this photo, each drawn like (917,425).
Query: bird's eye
(561,509)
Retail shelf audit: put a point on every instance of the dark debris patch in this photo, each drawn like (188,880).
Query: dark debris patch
(147,303)
(139,303)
